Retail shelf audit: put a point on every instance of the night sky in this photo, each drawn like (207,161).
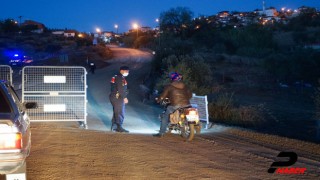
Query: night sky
(86,16)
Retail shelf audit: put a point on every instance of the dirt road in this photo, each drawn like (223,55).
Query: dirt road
(63,151)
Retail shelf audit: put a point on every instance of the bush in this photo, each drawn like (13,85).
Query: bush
(303,64)
(248,115)
(317,101)
(220,108)
(254,52)
(101,50)
(196,73)
(52,48)
(223,110)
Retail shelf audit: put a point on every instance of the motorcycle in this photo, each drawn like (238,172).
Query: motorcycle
(184,120)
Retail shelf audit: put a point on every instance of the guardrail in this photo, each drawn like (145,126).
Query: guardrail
(6,74)
(60,92)
(202,105)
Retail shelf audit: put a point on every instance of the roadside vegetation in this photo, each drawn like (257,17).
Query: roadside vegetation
(49,49)
(256,76)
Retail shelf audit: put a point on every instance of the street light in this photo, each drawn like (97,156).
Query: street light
(136,26)
(116,26)
(158,21)
(98,30)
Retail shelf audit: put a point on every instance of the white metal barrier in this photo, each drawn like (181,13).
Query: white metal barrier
(60,92)
(6,73)
(202,104)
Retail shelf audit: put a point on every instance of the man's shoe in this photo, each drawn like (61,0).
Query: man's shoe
(122,130)
(159,135)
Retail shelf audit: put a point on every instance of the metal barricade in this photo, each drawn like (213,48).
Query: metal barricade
(6,74)
(60,92)
(202,104)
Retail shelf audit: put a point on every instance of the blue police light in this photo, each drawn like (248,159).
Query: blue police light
(16,55)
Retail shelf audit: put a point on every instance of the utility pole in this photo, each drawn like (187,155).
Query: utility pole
(263,7)
(19,20)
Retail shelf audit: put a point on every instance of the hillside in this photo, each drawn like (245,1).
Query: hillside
(265,104)
(48,49)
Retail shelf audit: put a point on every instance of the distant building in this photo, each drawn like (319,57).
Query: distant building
(40,26)
(107,34)
(145,29)
(58,32)
(70,33)
(223,14)
(65,33)
(271,12)
(141,29)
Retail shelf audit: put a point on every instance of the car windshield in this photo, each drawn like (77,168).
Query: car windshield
(4,104)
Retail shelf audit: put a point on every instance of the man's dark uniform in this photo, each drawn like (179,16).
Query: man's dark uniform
(118,93)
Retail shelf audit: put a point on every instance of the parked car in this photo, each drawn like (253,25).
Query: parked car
(15,134)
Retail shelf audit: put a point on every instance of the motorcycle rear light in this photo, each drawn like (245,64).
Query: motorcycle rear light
(9,141)
(192,112)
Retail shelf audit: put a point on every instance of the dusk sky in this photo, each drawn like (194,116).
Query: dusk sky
(86,16)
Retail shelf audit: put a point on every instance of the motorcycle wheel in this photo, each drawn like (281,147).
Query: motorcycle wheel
(198,129)
(191,135)
(188,132)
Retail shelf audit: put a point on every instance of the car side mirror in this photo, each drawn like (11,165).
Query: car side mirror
(31,105)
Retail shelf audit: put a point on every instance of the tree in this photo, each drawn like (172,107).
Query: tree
(307,17)
(9,25)
(29,28)
(176,20)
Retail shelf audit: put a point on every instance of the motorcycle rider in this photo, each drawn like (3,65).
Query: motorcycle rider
(179,96)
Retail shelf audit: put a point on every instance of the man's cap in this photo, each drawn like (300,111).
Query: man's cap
(124,68)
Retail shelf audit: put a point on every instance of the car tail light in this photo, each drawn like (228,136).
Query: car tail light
(9,141)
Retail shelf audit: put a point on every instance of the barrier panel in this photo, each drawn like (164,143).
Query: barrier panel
(201,103)
(6,74)
(60,92)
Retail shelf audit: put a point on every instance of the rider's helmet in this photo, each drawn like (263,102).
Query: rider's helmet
(174,76)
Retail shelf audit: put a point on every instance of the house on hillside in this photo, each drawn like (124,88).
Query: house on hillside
(65,33)
(223,14)
(223,17)
(145,29)
(39,26)
(106,36)
(69,33)
(58,32)
(141,29)
(270,12)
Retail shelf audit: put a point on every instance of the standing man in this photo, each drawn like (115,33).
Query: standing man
(118,97)
(92,67)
